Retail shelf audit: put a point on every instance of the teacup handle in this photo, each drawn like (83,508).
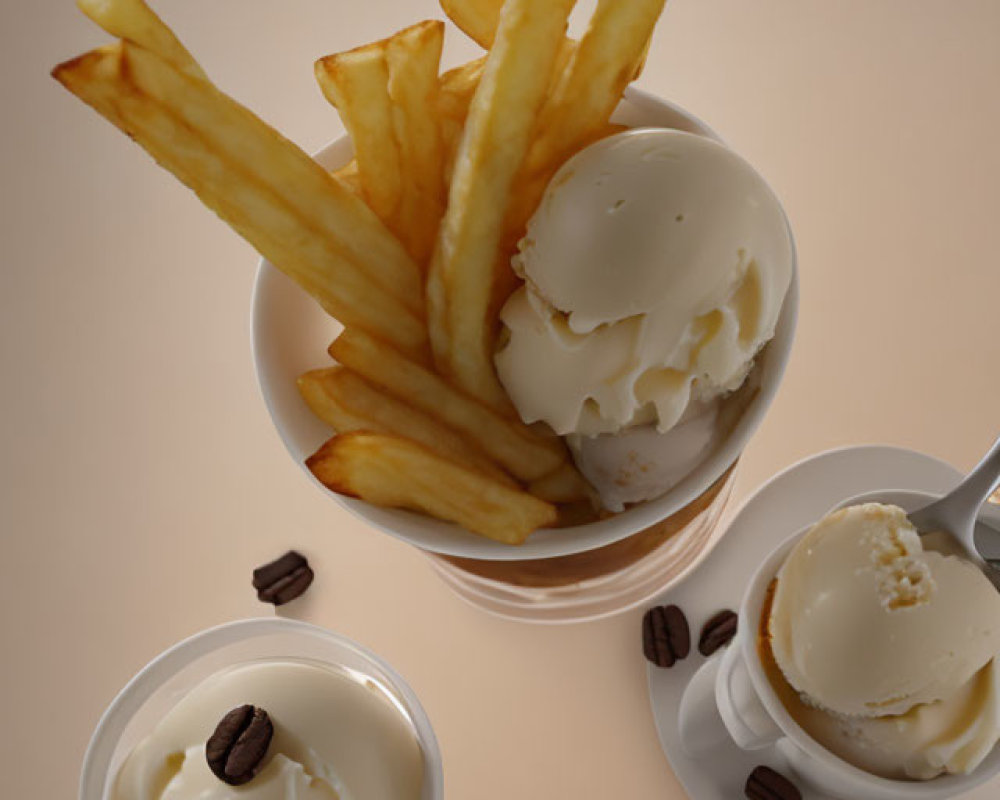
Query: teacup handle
(699,724)
(748,722)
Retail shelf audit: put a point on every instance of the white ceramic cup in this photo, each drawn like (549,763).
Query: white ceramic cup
(291,333)
(161,684)
(732,696)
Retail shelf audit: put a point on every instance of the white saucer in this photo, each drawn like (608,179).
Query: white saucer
(789,501)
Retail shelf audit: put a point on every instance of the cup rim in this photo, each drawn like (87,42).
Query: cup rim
(446,538)
(145,683)
(941,786)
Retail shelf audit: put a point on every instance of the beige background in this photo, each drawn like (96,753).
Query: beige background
(141,479)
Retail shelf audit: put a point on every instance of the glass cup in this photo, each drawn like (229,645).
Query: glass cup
(558,575)
(162,683)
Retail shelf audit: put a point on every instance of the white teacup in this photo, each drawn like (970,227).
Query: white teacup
(732,696)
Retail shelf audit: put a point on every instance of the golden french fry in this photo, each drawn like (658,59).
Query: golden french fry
(413,57)
(399,473)
(451,135)
(357,83)
(509,442)
(457,86)
(352,227)
(640,65)
(268,190)
(566,52)
(477,19)
(346,402)
(496,138)
(349,177)
(383,91)
(564,485)
(592,84)
(136,22)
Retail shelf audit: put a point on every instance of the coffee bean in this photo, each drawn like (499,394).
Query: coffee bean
(766,784)
(235,752)
(283,579)
(718,632)
(666,637)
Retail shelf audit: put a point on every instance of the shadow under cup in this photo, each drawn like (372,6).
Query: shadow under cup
(559,575)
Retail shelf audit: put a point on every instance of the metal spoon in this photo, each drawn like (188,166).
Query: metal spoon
(956,512)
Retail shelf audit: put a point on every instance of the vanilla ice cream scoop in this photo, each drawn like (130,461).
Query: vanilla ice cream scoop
(655,268)
(867,623)
(953,735)
(640,463)
(336,737)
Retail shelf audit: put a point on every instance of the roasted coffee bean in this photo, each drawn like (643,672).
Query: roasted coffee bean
(766,784)
(283,579)
(235,752)
(666,637)
(718,632)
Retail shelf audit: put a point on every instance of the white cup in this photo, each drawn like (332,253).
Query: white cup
(291,333)
(161,684)
(731,696)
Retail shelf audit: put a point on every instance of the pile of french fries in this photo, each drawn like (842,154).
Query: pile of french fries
(409,244)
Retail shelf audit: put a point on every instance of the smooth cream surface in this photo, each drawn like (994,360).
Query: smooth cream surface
(335,737)
(655,269)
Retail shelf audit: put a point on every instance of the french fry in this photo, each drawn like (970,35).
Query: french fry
(357,84)
(266,188)
(399,473)
(347,402)
(510,443)
(349,177)
(408,244)
(451,135)
(564,485)
(477,19)
(594,80)
(414,56)
(496,138)
(382,91)
(640,65)
(136,22)
(457,86)
(349,223)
